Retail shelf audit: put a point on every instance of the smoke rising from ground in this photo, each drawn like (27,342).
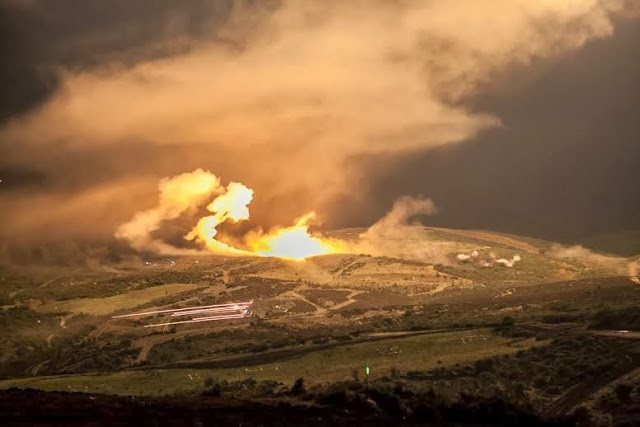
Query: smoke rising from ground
(178,194)
(580,253)
(633,268)
(405,208)
(395,236)
(509,263)
(186,192)
(282,104)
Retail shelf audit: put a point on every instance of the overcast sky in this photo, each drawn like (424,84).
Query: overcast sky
(510,115)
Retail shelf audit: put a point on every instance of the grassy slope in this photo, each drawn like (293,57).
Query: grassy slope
(417,352)
(102,306)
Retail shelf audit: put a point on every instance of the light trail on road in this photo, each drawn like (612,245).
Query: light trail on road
(149,313)
(199,320)
(210,310)
(211,313)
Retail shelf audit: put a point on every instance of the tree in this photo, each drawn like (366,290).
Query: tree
(518,389)
(355,373)
(582,415)
(298,387)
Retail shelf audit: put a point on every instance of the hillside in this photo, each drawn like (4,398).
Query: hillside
(496,312)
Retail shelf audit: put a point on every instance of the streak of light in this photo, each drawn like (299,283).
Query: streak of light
(174,310)
(228,316)
(199,319)
(209,310)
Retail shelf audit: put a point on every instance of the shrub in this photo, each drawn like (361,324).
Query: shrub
(623,392)
(388,402)
(582,415)
(298,387)
(508,321)
(268,387)
(518,389)
(484,365)
(355,374)
(626,318)
(215,390)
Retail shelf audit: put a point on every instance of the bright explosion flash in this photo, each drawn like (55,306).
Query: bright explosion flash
(294,242)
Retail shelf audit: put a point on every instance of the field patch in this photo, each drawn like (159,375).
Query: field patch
(377,299)
(127,300)
(326,297)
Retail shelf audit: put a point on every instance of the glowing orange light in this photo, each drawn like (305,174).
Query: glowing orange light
(294,242)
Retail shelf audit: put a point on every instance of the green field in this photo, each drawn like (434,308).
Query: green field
(419,352)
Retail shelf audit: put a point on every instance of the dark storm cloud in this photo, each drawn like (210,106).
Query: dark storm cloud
(38,40)
(565,165)
(39,37)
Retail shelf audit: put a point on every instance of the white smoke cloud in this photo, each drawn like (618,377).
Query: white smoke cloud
(509,263)
(490,261)
(178,194)
(467,257)
(404,208)
(394,236)
(580,253)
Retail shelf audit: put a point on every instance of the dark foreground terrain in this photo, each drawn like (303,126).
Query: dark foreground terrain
(367,407)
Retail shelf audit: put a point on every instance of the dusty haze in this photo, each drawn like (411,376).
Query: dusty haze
(287,98)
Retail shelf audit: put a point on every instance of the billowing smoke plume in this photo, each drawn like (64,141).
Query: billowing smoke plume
(404,208)
(632,269)
(489,261)
(509,263)
(187,191)
(287,98)
(394,236)
(467,257)
(178,194)
(232,206)
(617,264)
